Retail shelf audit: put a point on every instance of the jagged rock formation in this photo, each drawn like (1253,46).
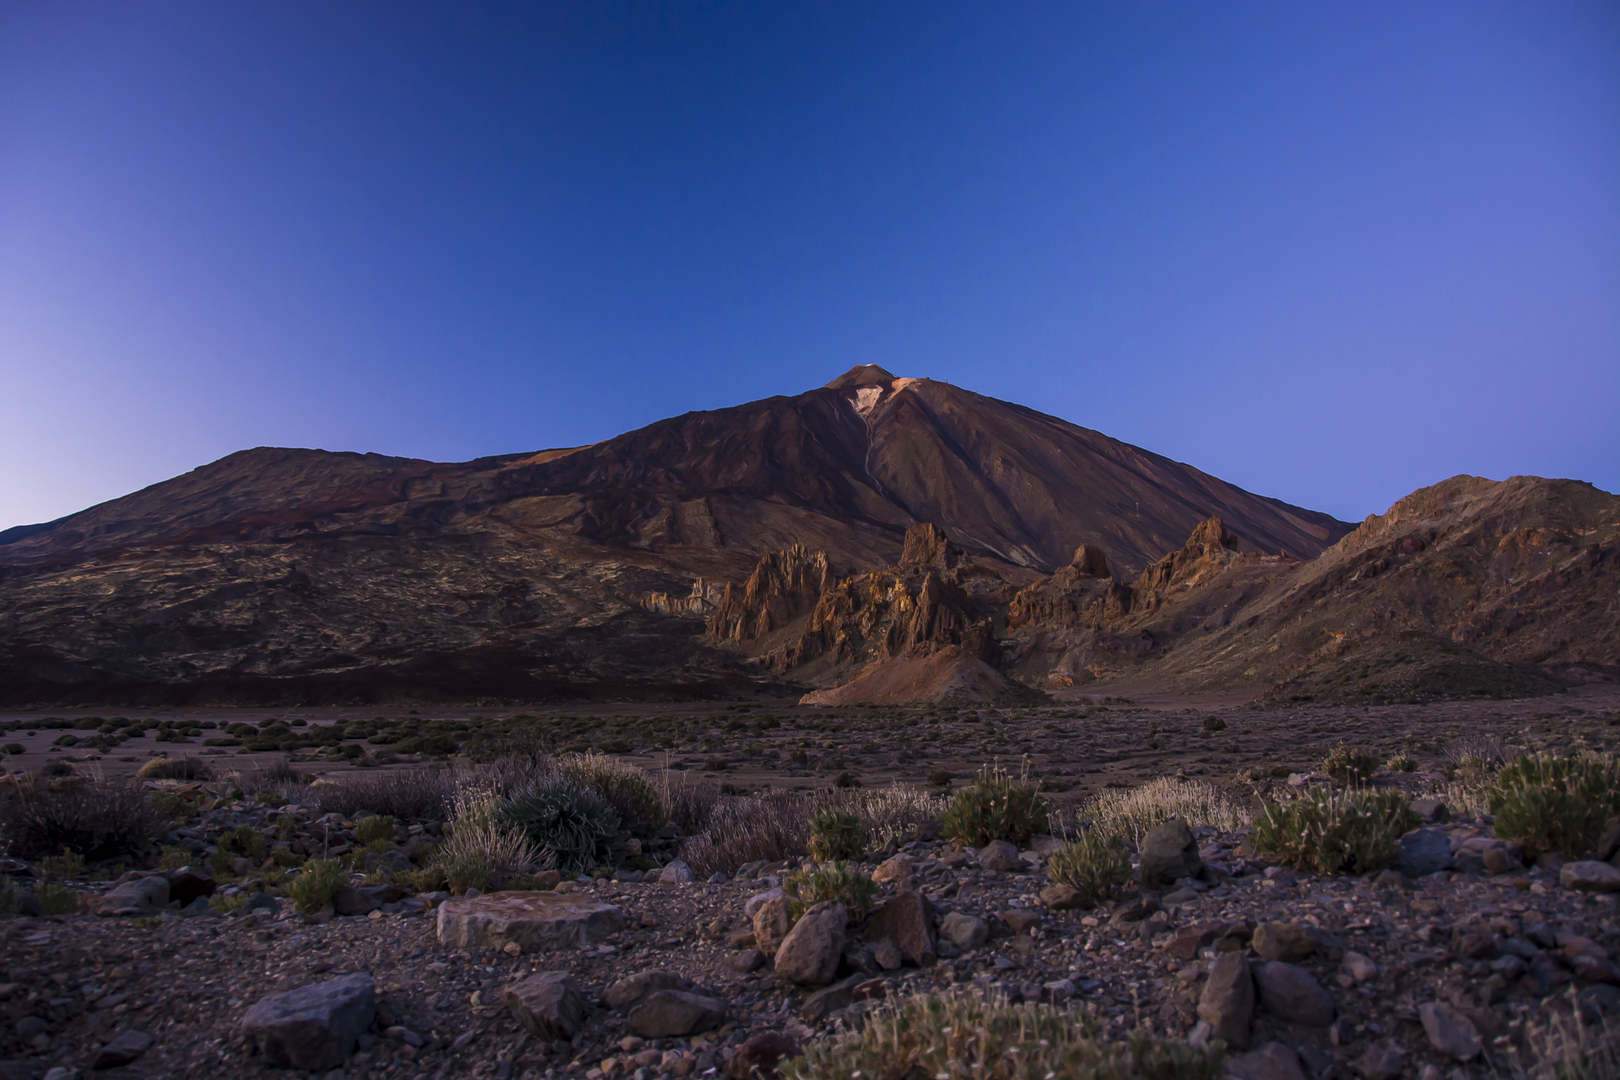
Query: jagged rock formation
(698,602)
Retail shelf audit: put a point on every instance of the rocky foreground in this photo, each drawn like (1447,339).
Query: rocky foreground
(1454,963)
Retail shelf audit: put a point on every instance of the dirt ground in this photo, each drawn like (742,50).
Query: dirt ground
(1076,746)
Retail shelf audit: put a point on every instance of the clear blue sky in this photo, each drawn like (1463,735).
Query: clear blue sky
(1330,252)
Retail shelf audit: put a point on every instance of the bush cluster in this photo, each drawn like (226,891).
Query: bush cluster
(1094,865)
(836,835)
(1354,831)
(996,806)
(97,816)
(834,881)
(1349,764)
(1556,803)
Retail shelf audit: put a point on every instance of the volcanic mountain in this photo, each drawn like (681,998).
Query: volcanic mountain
(284,574)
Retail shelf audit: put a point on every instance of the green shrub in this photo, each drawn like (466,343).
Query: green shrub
(168,768)
(12,748)
(625,788)
(996,806)
(1556,803)
(848,885)
(314,887)
(1354,831)
(1401,761)
(68,866)
(569,823)
(481,850)
(1094,865)
(961,1033)
(57,899)
(244,840)
(374,829)
(835,835)
(1349,764)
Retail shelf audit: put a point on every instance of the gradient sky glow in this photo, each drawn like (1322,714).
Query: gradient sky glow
(1328,252)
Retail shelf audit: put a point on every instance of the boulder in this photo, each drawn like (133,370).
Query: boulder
(896,869)
(528,920)
(631,989)
(964,931)
(364,899)
(122,1049)
(547,1004)
(1169,852)
(190,883)
(1283,941)
(1061,897)
(1423,852)
(1227,1001)
(1449,1031)
(906,921)
(676,872)
(313,1027)
(142,896)
(665,1014)
(772,922)
(809,954)
(1000,856)
(1293,995)
(759,1054)
(1589,875)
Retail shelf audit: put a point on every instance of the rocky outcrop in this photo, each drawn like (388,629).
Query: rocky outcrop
(699,602)
(784,586)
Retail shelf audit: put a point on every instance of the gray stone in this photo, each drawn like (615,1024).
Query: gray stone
(1293,995)
(364,899)
(1060,897)
(1382,1061)
(1169,852)
(190,883)
(547,1004)
(631,989)
(1358,967)
(772,922)
(759,1054)
(964,931)
(1273,1061)
(1227,1001)
(1283,941)
(1000,856)
(907,921)
(897,869)
(124,1048)
(529,920)
(1431,810)
(1449,1031)
(1423,852)
(675,872)
(142,896)
(1589,875)
(313,1027)
(809,954)
(669,1013)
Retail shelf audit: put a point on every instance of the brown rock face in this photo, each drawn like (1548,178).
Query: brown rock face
(784,585)
(926,546)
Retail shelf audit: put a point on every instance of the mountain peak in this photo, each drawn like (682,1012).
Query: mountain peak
(862,375)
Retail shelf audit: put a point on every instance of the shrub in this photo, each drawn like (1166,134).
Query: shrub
(1556,803)
(835,835)
(688,804)
(99,817)
(1213,724)
(892,815)
(420,794)
(1330,832)
(316,884)
(848,885)
(68,866)
(1131,814)
(374,828)
(480,850)
(1401,761)
(996,806)
(243,840)
(1572,1048)
(1094,865)
(625,787)
(569,823)
(168,768)
(1348,764)
(961,1033)
(12,748)
(743,830)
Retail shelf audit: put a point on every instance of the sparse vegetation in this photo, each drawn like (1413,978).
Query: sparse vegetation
(419,794)
(831,881)
(962,1033)
(625,787)
(97,816)
(570,824)
(749,829)
(836,835)
(1556,803)
(312,890)
(996,806)
(375,828)
(1129,815)
(1349,764)
(480,849)
(1094,864)
(175,768)
(1351,831)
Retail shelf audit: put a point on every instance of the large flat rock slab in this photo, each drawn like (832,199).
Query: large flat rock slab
(530,920)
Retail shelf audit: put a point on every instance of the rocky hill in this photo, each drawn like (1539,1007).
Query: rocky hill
(279,575)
